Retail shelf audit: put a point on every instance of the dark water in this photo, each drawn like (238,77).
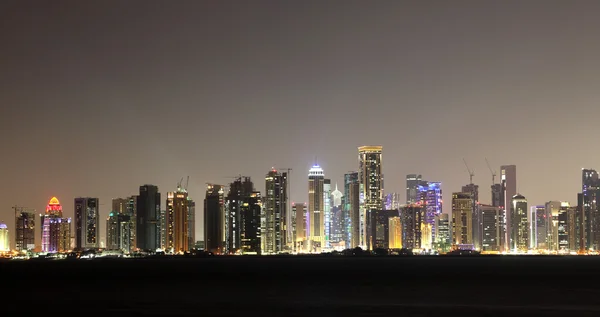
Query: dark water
(307,286)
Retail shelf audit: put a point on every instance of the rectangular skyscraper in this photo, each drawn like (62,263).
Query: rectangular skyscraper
(351,201)
(462,220)
(411,217)
(299,220)
(148,218)
(236,208)
(176,220)
(370,175)
(87,223)
(214,208)
(492,228)
(590,190)
(316,232)
(24,228)
(413,181)
(519,235)
(275,209)
(430,198)
(251,210)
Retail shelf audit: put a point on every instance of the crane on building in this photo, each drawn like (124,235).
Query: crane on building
(491,171)
(471,173)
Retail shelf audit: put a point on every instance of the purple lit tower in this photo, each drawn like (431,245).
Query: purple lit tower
(430,197)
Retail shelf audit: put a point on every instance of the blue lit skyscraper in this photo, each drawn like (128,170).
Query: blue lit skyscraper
(430,197)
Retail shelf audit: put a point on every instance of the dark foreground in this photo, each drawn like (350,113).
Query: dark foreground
(297,286)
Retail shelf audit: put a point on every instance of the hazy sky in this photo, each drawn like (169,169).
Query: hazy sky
(100,97)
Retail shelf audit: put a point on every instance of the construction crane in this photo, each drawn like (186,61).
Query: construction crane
(491,171)
(471,173)
(187,182)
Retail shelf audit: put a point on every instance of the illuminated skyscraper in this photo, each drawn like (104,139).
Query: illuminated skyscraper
(497,195)
(251,210)
(338,220)
(552,209)
(87,223)
(426,236)
(148,218)
(240,192)
(392,201)
(24,228)
(275,209)
(430,198)
(538,224)
(214,209)
(370,175)
(351,201)
(299,221)
(590,194)
(508,179)
(395,232)
(477,233)
(118,232)
(462,220)
(413,181)
(520,227)
(411,217)
(56,231)
(380,220)
(191,221)
(176,219)
(443,236)
(316,232)
(492,228)
(327,204)
(4,238)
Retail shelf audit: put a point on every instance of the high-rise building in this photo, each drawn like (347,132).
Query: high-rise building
(462,220)
(430,198)
(497,196)
(351,201)
(327,204)
(395,232)
(214,209)
(240,192)
(392,201)
(316,232)
(251,210)
(338,220)
(443,233)
(413,181)
(148,218)
(299,225)
(176,219)
(118,231)
(275,209)
(508,180)
(56,230)
(477,234)
(370,175)
(411,217)
(590,192)
(552,209)
(538,226)
(119,205)
(191,220)
(519,236)
(567,228)
(87,223)
(4,238)
(380,220)
(492,228)
(132,213)
(24,228)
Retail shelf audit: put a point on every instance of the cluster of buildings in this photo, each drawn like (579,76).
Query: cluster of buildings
(135,223)
(238,219)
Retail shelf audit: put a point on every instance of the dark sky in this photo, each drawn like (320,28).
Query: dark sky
(99,97)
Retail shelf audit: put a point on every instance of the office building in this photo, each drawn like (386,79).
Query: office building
(327,204)
(508,180)
(552,209)
(338,220)
(477,234)
(380,220)
(56,230)
(275,209)
(240,192)
(191,220)
(214,225)
(538,228)
(443,233)
(392,201)
(430,198)
(87,223)
(590,194)
(519,237)
(370,175)
(118,232)
(413,181)
(299,225)
(411,218)
(24,228)
(250,230)
(395,232)
(462,220)
(492,228)
(351,201)
(4,238)
(148,225)
(119,205)
(497,195)
(176,219)
(316,232)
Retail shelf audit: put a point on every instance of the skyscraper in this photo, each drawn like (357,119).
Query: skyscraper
(430,198)
(148,218)
(590,190)
(497,195)
(240,192)
(214,208)
(492,228)
(251,210)
(87,223)
(538,224)
(4,238)
(327,204)
(477,234)
(411,217)
(24,228)
(380,220)
(392,201)
(508,179)
(520,227)
(413,181)
(176,219)
(56,230)
(338,220)
(462,220)
(371,188)
(299,220)
(118,232)
(275,209)
(552,209)
(316,232)
(191,220)
(443,236)
(351,201)
(395,232)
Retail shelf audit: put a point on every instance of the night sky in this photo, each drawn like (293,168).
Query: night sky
(100,97)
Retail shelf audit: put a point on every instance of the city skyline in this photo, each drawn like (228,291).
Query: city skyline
(407,77)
